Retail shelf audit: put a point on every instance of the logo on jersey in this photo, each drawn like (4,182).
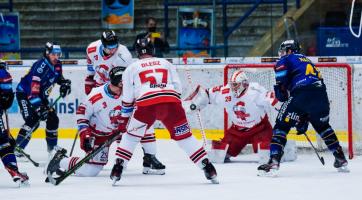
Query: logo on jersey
(158,85)
(291,116)
(240,111)
(115,115)
(41,68)
(182,129)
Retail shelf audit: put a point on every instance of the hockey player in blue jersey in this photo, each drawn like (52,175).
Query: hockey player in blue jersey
(7,143)
(300,86)
(32,95)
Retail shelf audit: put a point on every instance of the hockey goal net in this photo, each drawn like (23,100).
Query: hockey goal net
(338,79)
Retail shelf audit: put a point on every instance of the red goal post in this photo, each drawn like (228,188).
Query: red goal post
(338,79)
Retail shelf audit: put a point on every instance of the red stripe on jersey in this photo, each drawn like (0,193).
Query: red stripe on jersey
(281,67)
(225,91)
(158,99)
(4,80)
(81,110)
(91,49)
(96,98)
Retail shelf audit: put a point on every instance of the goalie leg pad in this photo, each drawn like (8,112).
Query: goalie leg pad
(217,154)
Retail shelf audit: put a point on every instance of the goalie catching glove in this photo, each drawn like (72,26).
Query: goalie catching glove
(197,100)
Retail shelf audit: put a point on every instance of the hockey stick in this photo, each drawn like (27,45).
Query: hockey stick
(198,114)
(75,140)
(27,135)
(315,150)
(16,147)
(58,180)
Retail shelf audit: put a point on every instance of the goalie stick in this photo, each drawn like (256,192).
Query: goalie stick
(58,180)
(198,114)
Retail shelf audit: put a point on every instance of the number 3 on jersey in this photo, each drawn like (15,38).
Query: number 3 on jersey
(154,76)
(312,70)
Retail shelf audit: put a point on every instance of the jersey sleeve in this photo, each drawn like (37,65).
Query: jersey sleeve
(281,72)
(36,72)
(265,99)
(128,93)
(126,57)
(87,109)
(215,94)
(5,82)
(90,65)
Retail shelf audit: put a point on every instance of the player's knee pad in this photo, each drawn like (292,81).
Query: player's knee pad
(52,122)
(136,128)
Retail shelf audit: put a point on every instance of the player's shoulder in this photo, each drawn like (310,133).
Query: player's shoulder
(96,94)
(93,46)
(254,86)
(122,49)
(4,75)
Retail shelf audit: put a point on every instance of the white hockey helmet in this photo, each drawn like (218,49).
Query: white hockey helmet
(238,83)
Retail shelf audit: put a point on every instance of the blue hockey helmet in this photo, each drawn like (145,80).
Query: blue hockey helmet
(52,48)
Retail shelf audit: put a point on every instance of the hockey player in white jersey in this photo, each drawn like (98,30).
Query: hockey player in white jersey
(247,104)
(153,87)
(98,119)
(102,56)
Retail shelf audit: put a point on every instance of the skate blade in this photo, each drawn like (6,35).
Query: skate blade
(149,171)
(114,183)
(343,169)
(214,181)
(272,173)
(51,179)
(22,184)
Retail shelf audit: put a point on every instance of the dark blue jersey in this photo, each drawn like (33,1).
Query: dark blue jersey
(5,82)
(39,81)
(295,70)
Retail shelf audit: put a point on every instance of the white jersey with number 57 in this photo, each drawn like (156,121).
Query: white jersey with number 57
(151,81)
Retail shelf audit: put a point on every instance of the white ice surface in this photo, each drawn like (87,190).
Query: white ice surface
(305,179)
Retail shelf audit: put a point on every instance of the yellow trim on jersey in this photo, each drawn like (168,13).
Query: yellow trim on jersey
(211,134)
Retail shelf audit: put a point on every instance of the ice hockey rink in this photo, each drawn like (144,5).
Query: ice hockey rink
(305,178)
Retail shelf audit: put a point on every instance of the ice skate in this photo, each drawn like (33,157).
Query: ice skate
(210,171)
(340,161)
(151,165)
(116,171)
(54,162)
(20,178)
(271,168)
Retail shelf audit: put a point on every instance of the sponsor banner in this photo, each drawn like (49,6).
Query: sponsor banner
(9,32)
(117,14)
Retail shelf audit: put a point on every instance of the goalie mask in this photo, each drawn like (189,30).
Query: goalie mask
(115,75)
(238,83)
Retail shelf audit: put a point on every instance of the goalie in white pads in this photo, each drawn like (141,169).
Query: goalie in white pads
(98,120)
(247,105)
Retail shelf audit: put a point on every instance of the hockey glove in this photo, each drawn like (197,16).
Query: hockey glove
(90,83)
(65,88)
(86,139)
(281,93)
(43,112)
(6,100)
